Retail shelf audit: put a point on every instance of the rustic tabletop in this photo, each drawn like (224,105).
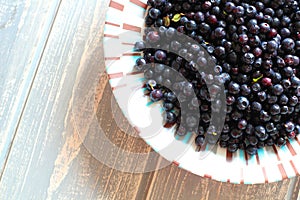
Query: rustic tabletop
(44,43)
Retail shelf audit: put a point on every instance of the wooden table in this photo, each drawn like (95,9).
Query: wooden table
(43,46)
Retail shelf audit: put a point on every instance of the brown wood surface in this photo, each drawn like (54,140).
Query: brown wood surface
(175,183)
(46,158)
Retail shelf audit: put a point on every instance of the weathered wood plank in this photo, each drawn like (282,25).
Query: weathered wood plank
(24,29)
(185,185)
(42,141)
(293,192)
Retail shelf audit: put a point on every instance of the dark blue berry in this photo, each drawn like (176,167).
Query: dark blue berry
(154,13)
(275,109)
(277,89)
(171,97)
(190,25)
(242,103)
(260,132)
(262,96)
(271,99)
(138,46)
(293,101)
(200,140)
(289,126)
(242,124)
(288,44)
(281,141)
(199,17)
(232,148)
(168,106)
(156,95)
(233,88)
(256,106)
(284,110)
(251,150)
(229,6)
(264,27)
(170,117)
(252,140)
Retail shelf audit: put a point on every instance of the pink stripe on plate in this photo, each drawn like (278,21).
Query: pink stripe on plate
(282,171)
(294,168)
(290,147)
(242,176)
(115,75)
(265,174)
(116,5)
(276,152)
(111,36)
(132,28)
(118,87)
(139,3)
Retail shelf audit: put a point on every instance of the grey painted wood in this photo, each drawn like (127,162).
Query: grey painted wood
(38,155)
(24,29)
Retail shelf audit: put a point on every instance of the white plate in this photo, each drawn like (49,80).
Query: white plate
(123,27)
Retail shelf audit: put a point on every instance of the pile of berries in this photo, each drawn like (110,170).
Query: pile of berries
(254,50)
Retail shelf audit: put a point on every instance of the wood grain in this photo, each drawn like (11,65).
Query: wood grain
(43,148)
(48,159)
(186,185)
(24,29)
(175,183)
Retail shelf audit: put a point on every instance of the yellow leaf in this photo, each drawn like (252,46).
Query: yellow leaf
(176,17)
(166,21)
(257,79)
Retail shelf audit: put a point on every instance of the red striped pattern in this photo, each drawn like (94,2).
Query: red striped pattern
(134,73)
(112,58)
(207,176)
(257,158)
(111,36)
(246,157)
(129,44)
(116,5)
(296,138)
(118,87)
(276,152)
(132,54)
(132,28)
(124,54)
(139,3)
(242,176)
(112,24)
(291,149)
(294,167)
(121,74)
(282,171)
(265,174)
(228,156)
(115,75)
(176,163)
